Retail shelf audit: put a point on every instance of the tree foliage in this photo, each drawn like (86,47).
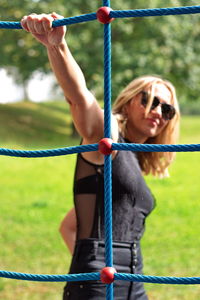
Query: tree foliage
(167,45)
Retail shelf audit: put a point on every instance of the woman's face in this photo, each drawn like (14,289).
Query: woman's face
(140,126)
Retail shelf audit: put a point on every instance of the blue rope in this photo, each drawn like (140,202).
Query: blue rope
(56,23)
(94,147)
(50,278)
(108,209)
(107,158)
(107,80)
(96,276)
(109,291)
(106,3)
(156,147)
(75,20)
(155,12)
(157,279)
(115,14)
(48,153)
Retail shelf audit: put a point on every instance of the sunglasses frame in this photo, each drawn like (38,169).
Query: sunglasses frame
(168,110)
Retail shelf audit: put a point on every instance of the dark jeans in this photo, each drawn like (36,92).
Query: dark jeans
(89,257)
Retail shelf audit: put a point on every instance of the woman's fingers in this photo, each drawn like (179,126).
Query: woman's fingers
(30,24)
(47,23)
(56,16)
(23,23)
(43,23)
(37,24)
(41,28)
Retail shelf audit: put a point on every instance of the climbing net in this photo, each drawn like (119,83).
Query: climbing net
(108,274)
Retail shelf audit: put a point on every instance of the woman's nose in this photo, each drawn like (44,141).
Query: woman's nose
(157,111)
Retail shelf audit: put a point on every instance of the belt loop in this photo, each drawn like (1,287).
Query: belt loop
(96,247)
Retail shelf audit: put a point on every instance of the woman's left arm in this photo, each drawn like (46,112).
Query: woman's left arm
(68,229)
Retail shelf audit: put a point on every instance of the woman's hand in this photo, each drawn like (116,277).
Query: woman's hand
(41,28)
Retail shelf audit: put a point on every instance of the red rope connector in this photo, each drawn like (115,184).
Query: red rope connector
(103,15)
(107,275)
(105,146)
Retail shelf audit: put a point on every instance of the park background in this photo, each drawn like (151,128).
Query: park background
(36,193)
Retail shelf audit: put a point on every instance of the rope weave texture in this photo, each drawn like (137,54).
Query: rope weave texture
(155,12)
(47,153)
(115,14)
(94,147)
(157,279)
(156,147)
(53,278)
(56,23)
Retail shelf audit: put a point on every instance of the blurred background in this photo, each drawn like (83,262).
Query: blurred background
(166,45)
(35,194)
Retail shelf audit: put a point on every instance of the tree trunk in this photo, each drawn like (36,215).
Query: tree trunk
(25,91)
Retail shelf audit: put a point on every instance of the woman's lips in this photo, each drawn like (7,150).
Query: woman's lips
(153,121)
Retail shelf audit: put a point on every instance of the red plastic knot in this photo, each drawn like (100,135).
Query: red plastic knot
(103,15)
(107,275)
(105,146)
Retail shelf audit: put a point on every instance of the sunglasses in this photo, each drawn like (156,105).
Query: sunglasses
(168,111)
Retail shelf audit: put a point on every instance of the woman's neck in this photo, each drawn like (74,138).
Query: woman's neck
(134,137)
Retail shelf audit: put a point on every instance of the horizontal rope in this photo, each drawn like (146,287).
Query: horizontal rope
(50,278)
(96,276)
(157,279)
(156,147)
(115,14)
(56,23)
(153,12)
(94,147)
(48,153)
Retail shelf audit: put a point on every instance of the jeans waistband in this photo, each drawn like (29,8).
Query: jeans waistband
(124,254)
(101,243)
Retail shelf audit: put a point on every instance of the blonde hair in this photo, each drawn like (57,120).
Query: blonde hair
(156,163)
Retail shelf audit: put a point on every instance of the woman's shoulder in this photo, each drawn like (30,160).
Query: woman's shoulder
(96,157)
(114,129)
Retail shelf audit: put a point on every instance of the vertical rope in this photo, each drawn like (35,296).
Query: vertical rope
(108,218)
(107,134)
(109,291)
(107,80)
(106,3)
(107,158)
(108,210)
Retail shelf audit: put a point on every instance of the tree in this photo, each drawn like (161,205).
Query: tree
(21,56)
(168,45)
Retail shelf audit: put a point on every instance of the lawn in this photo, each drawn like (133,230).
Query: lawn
(36,193)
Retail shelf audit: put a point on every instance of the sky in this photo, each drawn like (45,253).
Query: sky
(39,89)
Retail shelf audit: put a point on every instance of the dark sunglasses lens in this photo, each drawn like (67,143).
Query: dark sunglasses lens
(155,103)
(168,111)
(144,99)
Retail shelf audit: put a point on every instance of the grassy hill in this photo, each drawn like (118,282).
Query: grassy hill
(35,194)
(28,124)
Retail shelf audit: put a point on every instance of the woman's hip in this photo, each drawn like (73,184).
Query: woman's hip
(89,256)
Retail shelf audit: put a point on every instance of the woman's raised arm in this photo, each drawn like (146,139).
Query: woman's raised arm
(86,112)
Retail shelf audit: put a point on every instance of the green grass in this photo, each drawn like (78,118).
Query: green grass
(36,193)
(171,241)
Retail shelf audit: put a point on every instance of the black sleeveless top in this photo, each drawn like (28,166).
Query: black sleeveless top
(132,200)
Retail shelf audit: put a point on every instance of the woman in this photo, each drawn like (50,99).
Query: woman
(146,111)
